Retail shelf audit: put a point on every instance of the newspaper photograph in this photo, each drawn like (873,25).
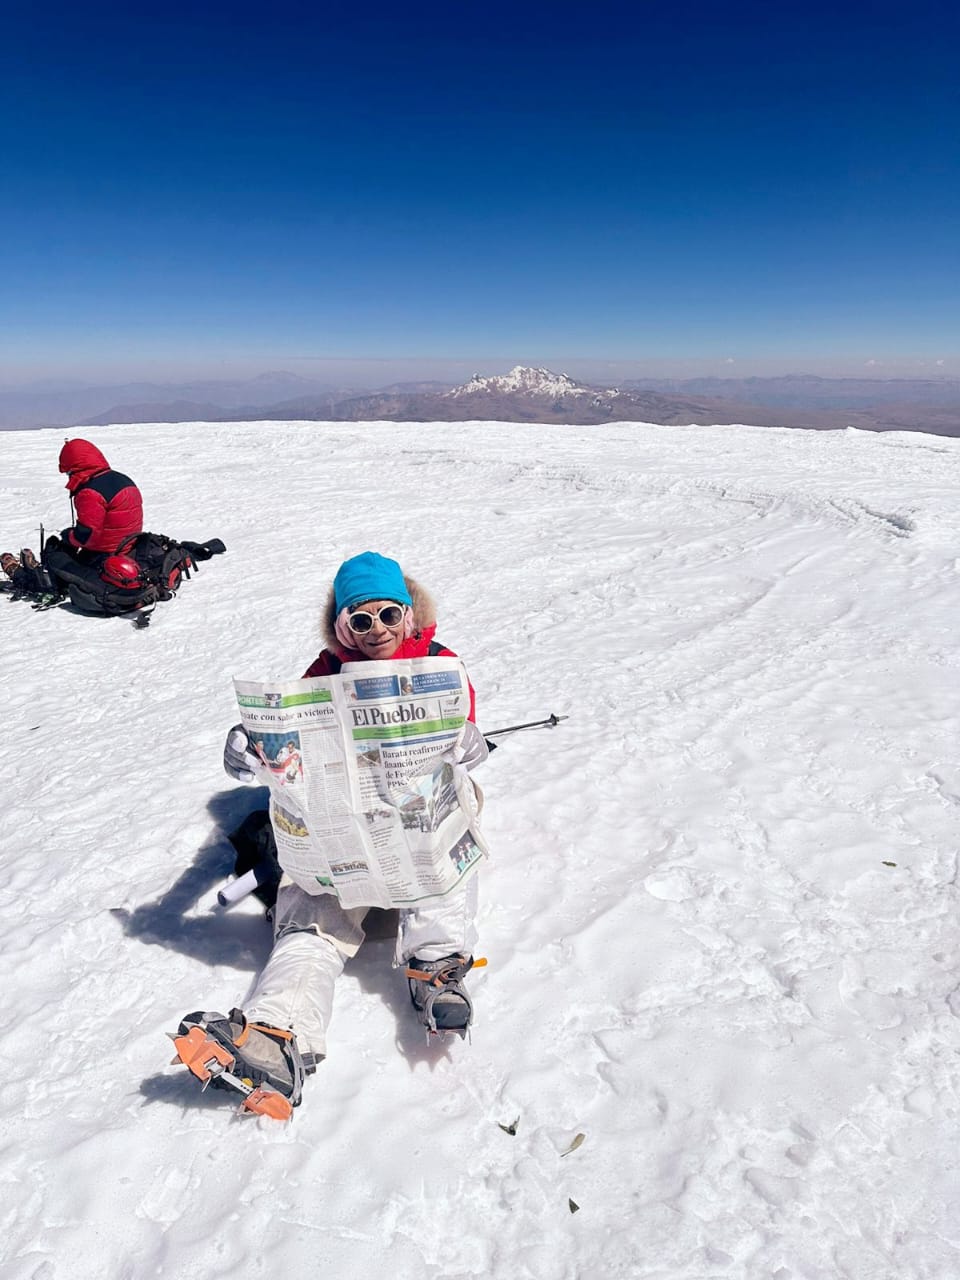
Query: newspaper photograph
(367,800)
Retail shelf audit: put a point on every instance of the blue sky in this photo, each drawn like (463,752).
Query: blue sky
(235,187)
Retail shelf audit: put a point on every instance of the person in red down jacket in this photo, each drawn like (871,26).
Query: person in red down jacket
(107,504)
(107,508)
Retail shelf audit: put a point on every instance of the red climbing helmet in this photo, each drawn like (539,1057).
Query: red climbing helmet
(121,571)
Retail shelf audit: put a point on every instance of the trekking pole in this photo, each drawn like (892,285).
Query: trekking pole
(550,721)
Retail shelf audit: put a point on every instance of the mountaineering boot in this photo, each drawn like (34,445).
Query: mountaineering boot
(9,563)
(38,582)
(263,1063)
(438,994)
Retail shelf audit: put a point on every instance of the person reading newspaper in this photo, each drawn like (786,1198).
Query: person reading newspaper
(374,613)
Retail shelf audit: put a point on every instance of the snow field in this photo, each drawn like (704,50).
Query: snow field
(720,915)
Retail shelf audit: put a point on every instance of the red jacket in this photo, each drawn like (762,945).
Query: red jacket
(107,504)
(327,662)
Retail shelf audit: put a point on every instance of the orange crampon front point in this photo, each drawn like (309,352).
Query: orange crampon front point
(195,1050)
(267,1102)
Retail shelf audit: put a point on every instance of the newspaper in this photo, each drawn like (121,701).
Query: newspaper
(367,801)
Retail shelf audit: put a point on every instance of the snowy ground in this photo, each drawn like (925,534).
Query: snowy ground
(721,915)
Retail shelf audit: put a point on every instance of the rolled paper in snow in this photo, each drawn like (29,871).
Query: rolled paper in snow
(239,888)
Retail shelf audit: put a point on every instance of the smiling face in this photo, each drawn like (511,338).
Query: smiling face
(380,641)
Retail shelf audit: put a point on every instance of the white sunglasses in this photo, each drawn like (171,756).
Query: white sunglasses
(362,620)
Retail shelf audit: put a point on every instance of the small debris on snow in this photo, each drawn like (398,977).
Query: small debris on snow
(578,1141)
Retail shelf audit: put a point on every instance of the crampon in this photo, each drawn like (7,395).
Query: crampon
(212,1048)
(438,994)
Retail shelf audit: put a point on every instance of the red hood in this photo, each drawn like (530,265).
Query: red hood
(81,460)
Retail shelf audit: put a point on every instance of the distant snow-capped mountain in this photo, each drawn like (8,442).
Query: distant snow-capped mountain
(529,395)
(522,380)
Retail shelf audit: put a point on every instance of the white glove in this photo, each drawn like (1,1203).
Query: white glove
(239,758)
(472,749)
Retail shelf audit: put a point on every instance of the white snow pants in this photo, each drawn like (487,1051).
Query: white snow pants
(313,938)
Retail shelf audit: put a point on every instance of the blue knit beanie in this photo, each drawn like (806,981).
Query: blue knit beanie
(369,576)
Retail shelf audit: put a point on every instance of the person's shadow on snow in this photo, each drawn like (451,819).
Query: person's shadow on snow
(240,938)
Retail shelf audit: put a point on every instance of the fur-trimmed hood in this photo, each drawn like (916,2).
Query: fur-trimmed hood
(424,617)
(422,644)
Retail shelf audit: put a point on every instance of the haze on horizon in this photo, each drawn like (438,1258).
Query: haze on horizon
(424,195)
(375,372)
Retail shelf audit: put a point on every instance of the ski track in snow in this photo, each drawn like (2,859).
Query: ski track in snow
(720,915)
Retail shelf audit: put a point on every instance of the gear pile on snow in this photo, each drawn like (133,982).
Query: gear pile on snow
(145,569)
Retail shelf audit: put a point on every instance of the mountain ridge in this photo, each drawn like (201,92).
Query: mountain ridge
(536,394)
(525,393)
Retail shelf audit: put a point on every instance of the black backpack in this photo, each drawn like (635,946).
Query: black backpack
(104,598)
(163,561)
(163,564)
